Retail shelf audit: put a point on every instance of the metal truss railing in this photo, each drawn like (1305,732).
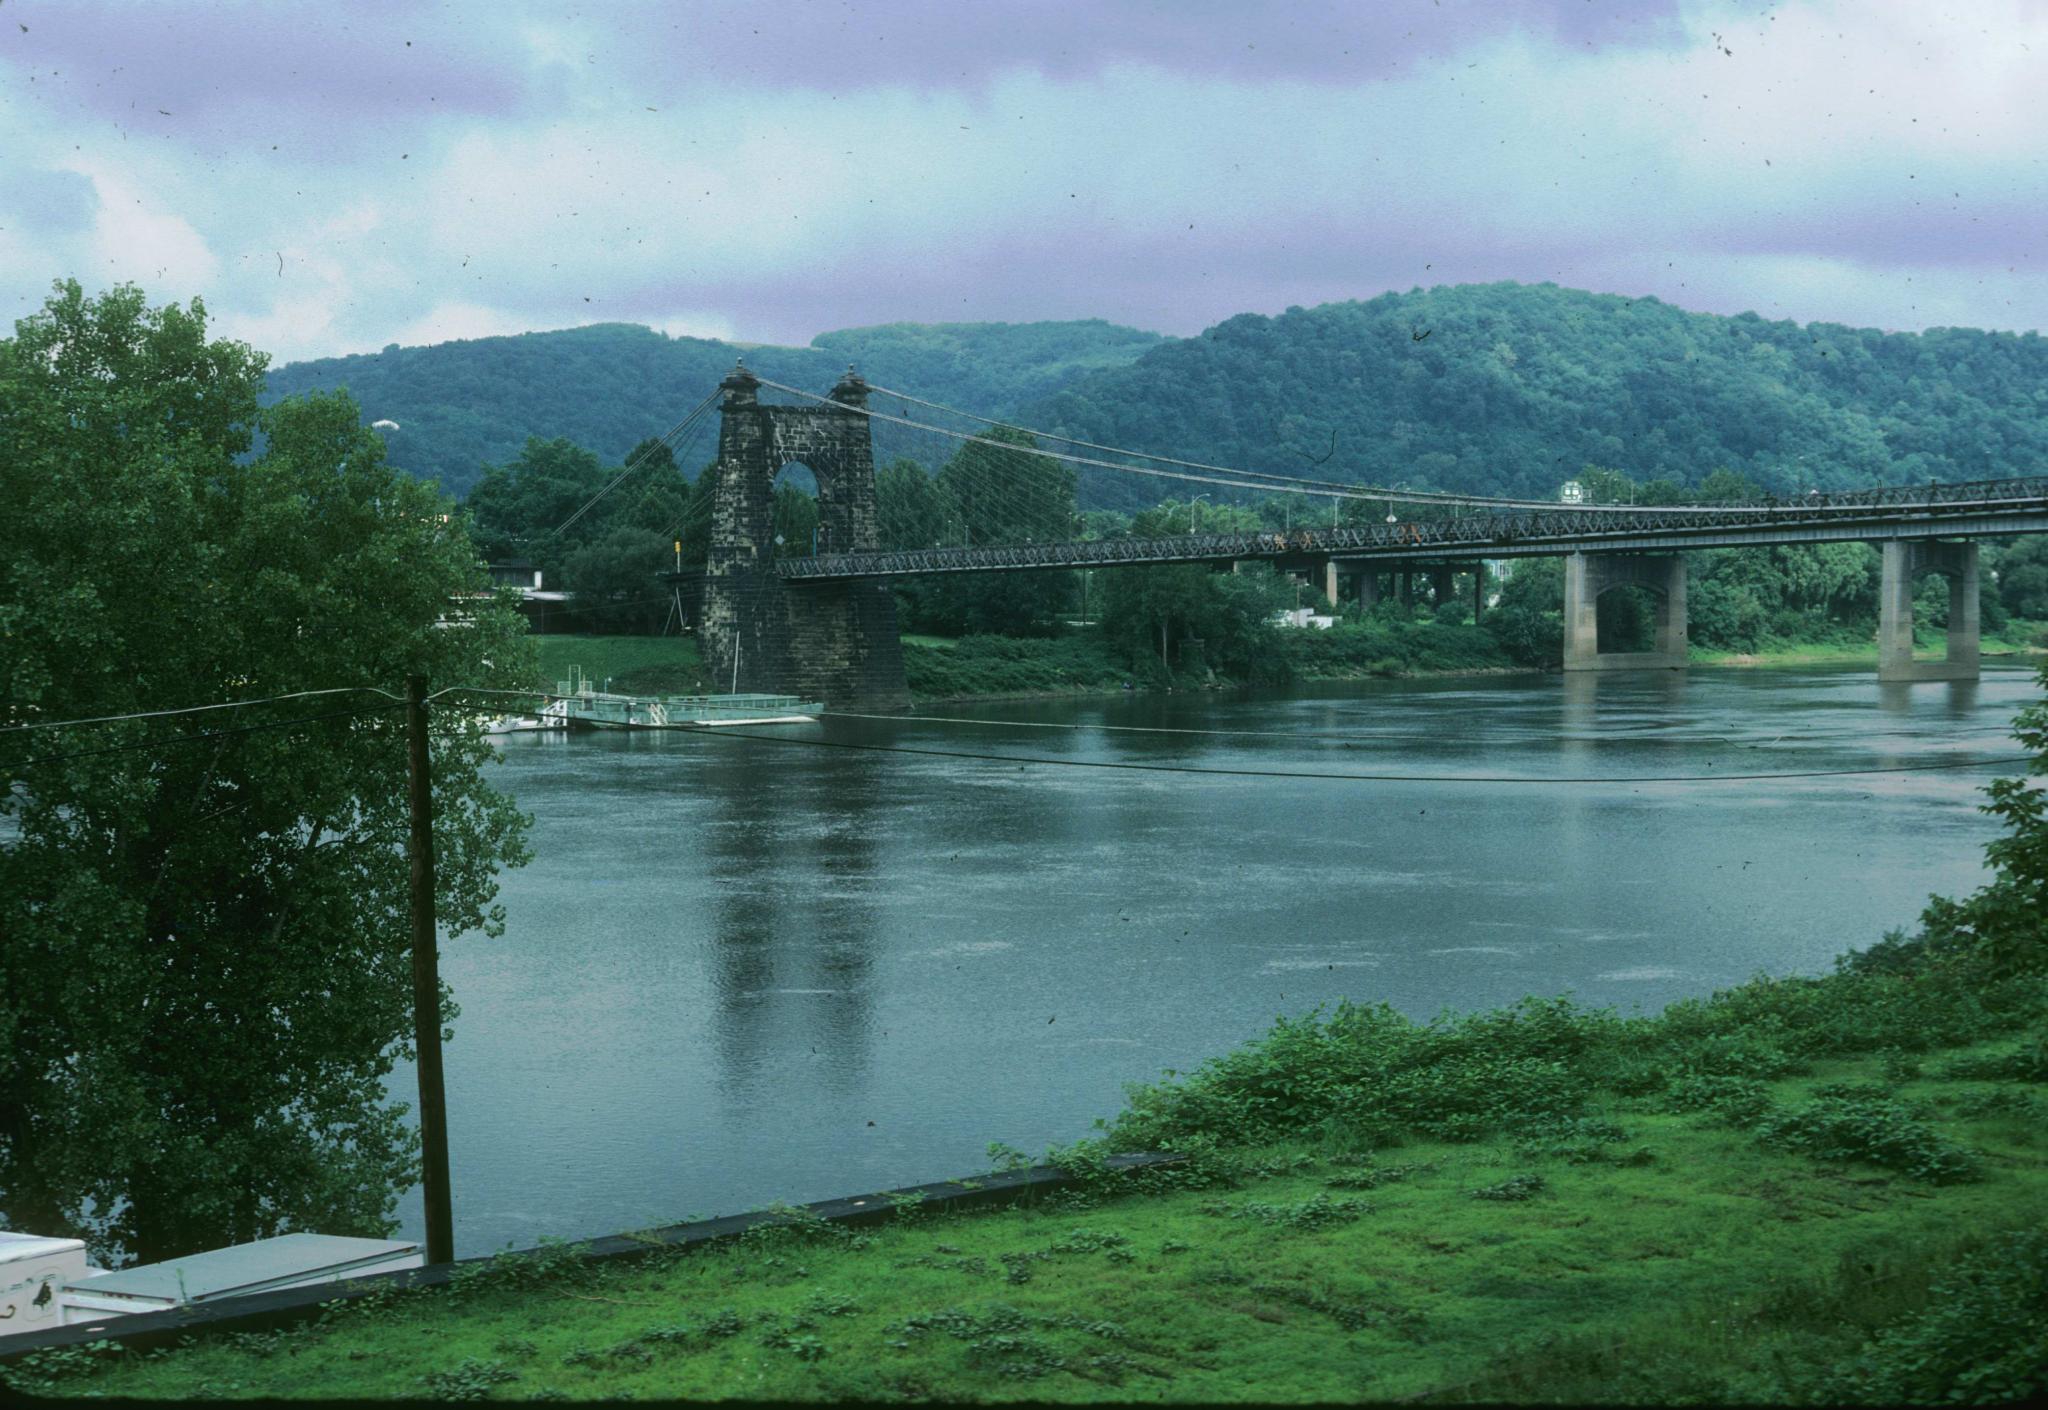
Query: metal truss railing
(1564,528)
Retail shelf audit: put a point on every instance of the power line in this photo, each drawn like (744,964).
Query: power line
(196,709)
(631,465)
(299,723)
(1244,479)
(1324,486)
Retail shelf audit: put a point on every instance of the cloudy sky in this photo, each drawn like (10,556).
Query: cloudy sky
(335,177)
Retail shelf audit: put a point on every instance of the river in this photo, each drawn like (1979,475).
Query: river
(738,972)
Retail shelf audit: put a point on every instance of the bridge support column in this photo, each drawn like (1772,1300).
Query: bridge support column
(1905,563)
(1588,575)
(1368,586)
(1440,585)
(1478,590)
(1330,580)
(1407,588)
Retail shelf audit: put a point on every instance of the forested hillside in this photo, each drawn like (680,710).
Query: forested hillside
(1499,388)
(463,405)
(1514,388)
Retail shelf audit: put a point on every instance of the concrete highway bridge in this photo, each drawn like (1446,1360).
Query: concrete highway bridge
(824,626)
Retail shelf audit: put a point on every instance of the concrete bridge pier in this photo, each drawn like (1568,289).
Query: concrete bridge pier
(1905,563)
(1588,575)
(1440,584)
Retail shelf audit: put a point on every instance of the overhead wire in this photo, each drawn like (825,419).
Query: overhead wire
(1317,486)
(150,744)
(631,465)
(1247,479)
(195,709)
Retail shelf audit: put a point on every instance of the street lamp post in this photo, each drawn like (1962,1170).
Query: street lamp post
(1192,520)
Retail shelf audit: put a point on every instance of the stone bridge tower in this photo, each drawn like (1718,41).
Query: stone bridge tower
(830,641)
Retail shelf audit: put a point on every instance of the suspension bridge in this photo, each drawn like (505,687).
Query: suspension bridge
(823,625)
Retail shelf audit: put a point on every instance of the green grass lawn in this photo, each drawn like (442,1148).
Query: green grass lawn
(2016,638)
(1664,1245)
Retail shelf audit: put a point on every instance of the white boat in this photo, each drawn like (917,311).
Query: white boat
(552,716)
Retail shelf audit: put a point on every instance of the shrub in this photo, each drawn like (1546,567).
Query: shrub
(1317,1212)
(1515,1187)
(1877,1132)
(470,1380)
(1982,1338)
(1370,1070)
(2029,1063)
(1739,1100)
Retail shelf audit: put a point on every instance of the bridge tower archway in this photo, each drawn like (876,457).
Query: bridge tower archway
(833,641)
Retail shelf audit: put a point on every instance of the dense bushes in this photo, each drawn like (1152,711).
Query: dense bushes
(998,665)
(1870,1129)
(1389,642)
(1981,1339)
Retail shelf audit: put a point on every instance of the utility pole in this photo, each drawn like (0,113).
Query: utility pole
(426,985)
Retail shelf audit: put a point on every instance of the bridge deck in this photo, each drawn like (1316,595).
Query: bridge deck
(1976,510)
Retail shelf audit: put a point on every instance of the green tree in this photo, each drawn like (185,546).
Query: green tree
(912,510)
(2023,578)
(1001,496)
(795,522)
(1529,617)
(204,974)
(1149,611)
(518,510)
(617,587)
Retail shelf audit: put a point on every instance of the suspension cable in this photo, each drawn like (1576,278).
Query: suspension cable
(1244,479)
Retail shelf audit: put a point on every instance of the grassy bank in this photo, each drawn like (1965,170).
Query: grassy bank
(1725,1203)
(2016,638)
(1390,647)
(1082,662)
(635,665)
(1078,662)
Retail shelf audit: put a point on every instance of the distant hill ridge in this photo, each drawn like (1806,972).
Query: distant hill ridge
(462,405)
(1512,388)
(1506,388)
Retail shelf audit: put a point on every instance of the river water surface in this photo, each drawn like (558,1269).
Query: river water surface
(739,971)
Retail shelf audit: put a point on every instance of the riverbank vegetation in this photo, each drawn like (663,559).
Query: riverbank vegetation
(1803,1191)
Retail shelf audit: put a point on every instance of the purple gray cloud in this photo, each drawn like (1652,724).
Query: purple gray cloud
(336,178)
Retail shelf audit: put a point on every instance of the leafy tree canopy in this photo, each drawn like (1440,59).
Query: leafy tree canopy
(1515,387)
(204,975)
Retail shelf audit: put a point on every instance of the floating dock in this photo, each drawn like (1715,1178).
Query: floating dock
(579,705)
(600,710)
